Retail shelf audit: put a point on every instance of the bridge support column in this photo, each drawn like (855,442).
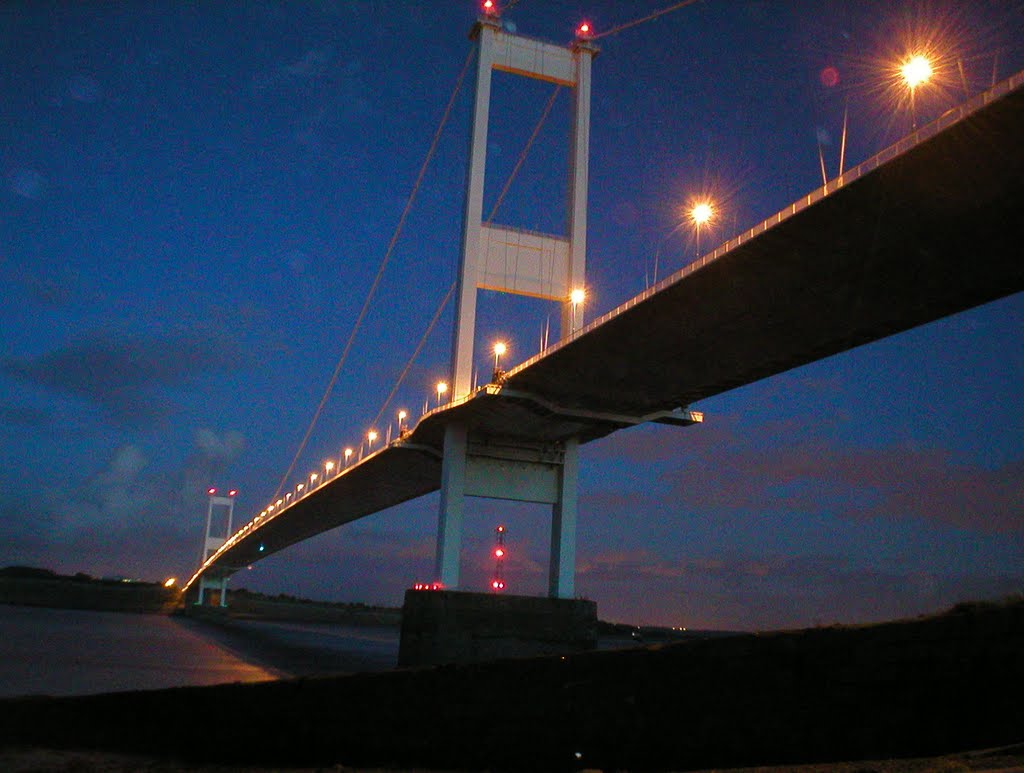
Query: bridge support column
(225,507)
(514,470)
(562,566)
(449,521)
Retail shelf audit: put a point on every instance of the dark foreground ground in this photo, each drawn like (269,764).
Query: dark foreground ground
(894,692)
(1002,760)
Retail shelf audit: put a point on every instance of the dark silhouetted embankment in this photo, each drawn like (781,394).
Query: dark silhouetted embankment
(903,689)
(28,586)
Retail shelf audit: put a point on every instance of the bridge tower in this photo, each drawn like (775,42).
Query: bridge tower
(545,266)
(211,543)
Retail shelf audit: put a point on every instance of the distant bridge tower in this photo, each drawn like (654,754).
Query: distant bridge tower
(545,266)
(211,543)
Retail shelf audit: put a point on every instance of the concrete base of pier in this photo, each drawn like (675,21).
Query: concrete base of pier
(440,626)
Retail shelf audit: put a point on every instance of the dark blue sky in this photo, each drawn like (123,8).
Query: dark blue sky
(196,198)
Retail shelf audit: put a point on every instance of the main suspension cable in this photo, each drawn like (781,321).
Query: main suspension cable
(380,272)
(647,18)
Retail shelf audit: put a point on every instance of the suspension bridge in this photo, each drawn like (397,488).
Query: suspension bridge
(926,228)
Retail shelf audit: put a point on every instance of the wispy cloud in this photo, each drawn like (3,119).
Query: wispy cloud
(790,466)
(757,593)
(24,416)
(125,518)
(123,374)
(312,64)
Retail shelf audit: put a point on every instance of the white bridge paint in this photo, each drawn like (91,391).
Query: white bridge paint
(510,260)
(211,544)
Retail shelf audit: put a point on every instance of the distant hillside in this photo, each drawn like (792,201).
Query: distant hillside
(248,604)
(36,587)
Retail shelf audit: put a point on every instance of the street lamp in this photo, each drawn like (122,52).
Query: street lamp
(499,350)
(700,214)
(576,298)
(370,437)
(328,467)
(401,417)
(442,387)
(348,455)
(312,479)
(916,70)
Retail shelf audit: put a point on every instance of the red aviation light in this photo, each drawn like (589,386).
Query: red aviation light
(233,492)
(499,552)
(498,585)
(211,491)
(584,31)
(489,7)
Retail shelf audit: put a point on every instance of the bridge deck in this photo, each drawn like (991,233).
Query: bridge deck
(925,229)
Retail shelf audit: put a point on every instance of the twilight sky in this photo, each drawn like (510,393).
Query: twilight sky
(194,202)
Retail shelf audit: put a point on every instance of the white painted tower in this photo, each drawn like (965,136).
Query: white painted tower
(522,262)
(223,506)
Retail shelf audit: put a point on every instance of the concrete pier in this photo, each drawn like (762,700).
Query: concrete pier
(442,626)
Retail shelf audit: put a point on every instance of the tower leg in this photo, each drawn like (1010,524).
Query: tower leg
(562,566)
(453,492)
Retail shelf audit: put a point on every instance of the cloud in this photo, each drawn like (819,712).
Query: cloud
(124,374)
(27,183)
(758,593)
(85,88)
(213,455)
(50,286)
(817,475)
(312,64)
(24,416)
(126,519)
(794,466)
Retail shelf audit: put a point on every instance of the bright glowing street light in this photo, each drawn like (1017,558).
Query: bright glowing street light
(401,418)
(348,455)
(576,297)
(499,350)
(328,467)
(916,70)
(312,479)
(371,436)
(442,387)
(701,214)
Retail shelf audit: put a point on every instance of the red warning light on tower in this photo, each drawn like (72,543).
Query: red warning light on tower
(490,7)
(211,491)
(498,584)
(233,492)
(584,31)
